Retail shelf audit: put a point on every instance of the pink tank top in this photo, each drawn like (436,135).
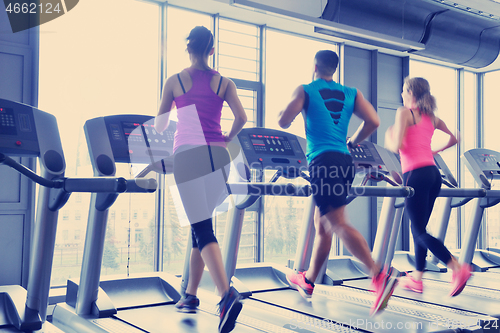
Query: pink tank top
(416,151)
(198,112)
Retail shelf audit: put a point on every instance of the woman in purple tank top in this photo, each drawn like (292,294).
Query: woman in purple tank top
(410,136)
(201,163)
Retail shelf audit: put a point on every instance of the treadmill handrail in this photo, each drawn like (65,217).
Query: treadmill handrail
(141,185)
(493,193)
(378,191)
(117,185)
(258,189)
(462,192)
(6,160)
(94,185)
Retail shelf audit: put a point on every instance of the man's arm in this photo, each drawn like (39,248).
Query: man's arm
(364,110)
(286,116)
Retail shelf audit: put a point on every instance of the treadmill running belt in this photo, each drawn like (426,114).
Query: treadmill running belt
(166,319)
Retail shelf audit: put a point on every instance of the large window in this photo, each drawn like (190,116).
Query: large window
(443,84)
(468,140)
(491,120)
(239,50)
(179,24)
(237,54)
(92,66)
(289,63)
(238,59)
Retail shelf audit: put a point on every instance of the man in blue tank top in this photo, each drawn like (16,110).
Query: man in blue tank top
(327,107)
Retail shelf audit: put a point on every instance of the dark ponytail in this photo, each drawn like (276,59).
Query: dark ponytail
(200,41)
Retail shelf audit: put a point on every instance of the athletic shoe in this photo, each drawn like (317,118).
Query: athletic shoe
(459,280)
(409,283)
(298,281)
(188,304)
(384,284)
(229,309)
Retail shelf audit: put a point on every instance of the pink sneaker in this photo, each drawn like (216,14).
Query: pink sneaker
(384,285)
(298,281)
(459,279)
(409,283)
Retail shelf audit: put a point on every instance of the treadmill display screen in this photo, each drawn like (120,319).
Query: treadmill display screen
(135,142)
(137,133)
(7,122)
(487,160)
(270,144)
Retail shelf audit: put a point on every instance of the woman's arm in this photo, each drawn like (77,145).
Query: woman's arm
(366,112)
(395,134)
(166,104)
(240,117)
(440,125)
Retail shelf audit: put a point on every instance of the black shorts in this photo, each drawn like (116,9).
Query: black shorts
(331,175)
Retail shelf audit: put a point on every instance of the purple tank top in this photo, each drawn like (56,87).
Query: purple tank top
(198,112)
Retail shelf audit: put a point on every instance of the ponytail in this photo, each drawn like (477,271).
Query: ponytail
(427,104)
(421,90)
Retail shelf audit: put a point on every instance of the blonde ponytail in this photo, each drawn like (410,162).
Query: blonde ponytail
(421,90)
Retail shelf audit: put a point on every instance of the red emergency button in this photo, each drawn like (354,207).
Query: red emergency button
(380,167)
(299,161)
(18,143)
(260,159)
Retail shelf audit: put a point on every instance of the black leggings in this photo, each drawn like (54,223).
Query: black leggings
(427,182)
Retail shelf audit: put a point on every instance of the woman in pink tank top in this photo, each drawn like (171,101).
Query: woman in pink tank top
(201,164)
(411,136)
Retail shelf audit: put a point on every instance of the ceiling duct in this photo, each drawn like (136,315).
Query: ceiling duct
(300,11)
(449,34)
(424,27)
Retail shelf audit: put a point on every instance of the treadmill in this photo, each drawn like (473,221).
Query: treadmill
(336,308)
(482,261)
(26,131)
(473,299)
(484,165)
(143,302)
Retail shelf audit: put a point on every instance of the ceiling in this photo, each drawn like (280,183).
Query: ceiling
(304,17)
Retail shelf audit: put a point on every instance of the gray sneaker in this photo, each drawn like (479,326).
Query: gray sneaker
(229,309)
(188,304)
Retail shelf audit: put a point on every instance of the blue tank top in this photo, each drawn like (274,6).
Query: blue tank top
(327,111)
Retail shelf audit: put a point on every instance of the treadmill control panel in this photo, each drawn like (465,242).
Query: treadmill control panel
(7,123)
(271,149)
(362,153)
(17,129)
(370,157)
(484,165)
(133,139)
(365,156)
(270,144)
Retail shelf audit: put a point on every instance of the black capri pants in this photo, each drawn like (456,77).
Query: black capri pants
(200,174)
